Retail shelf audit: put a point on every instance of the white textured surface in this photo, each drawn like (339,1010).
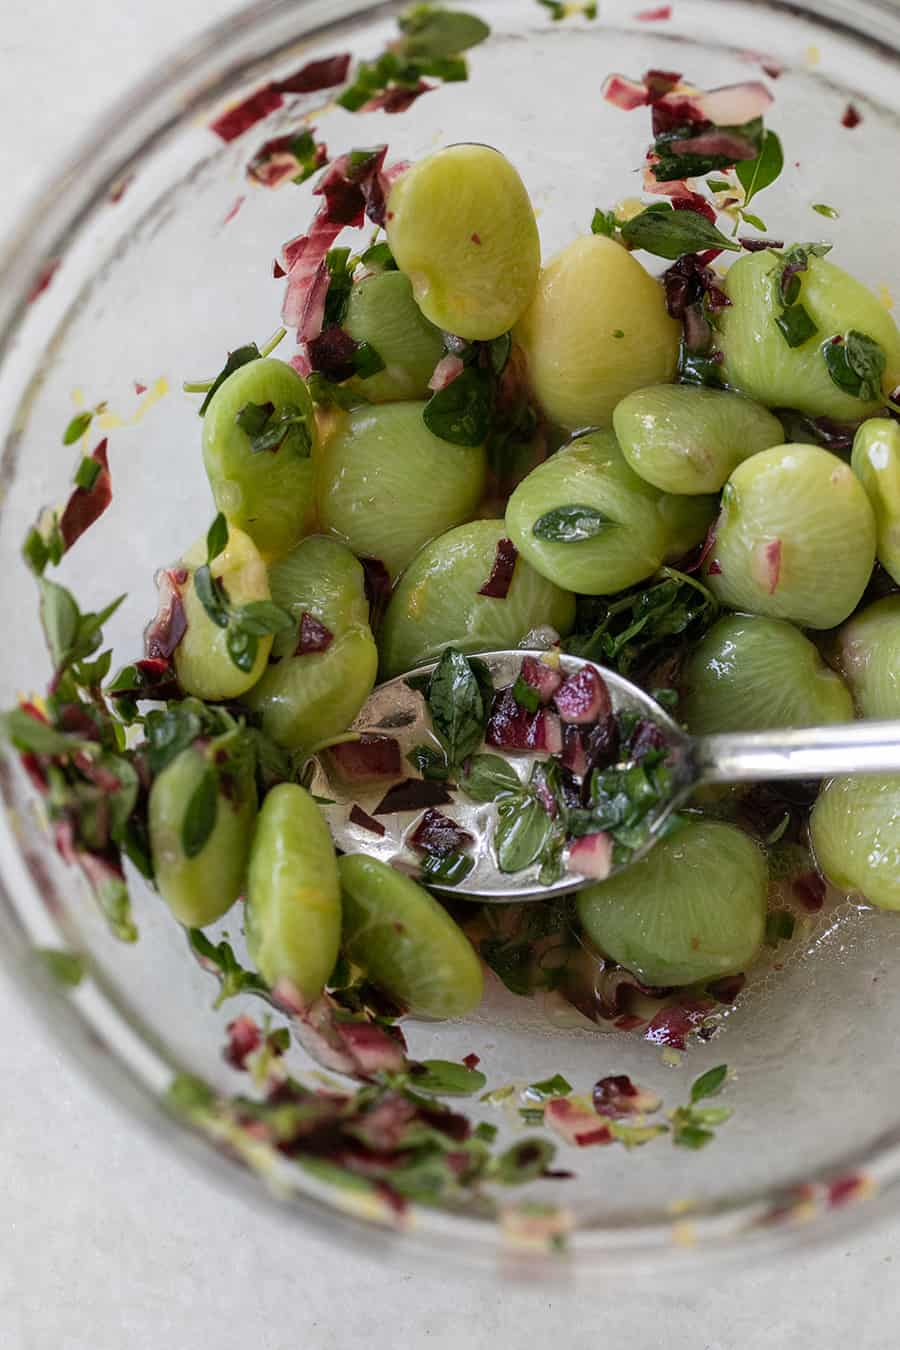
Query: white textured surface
(106,1243)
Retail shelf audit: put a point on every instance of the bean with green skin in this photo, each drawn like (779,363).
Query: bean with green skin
(309,698)
(437,602)
(461,226)
(686,521)
(201,888)
(869,656)
(795,538)
(268,493)
(590,472)
(758,361)
(381,310)
(203,663)
(753,674)
(855,833)
(876,463)
(293,909)
(596,330)
(693,909)
(386,484)
(321,577)
(405,941)
(685,439)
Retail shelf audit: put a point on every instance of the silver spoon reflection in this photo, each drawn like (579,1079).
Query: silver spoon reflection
(397,710)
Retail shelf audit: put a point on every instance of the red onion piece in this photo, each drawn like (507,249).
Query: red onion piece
(576,1124)
(591,855)
(583,698)
(86,505)
(617,1096)
(244,1036)
(412,795)
(498,583)
(851,117)
(368,759)
(672,1026)
(541,677)
(397,98)
(445,372)
(169,625)
(657,15)
(366,822)
(437,833)
(624,93)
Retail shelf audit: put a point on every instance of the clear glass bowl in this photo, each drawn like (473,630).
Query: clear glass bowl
(153,286)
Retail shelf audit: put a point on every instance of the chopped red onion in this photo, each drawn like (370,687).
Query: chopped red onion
(233,123)
(616,1097)
(169,625)
(366,822)
(657,15)
(624,93)
(851,117)
(397,98)
(244,1036)
(324,73)
(437,833)
(574,756)
(583,698)
(412,794)
(810,890)
(378,589)
(576,1124)
(672,1025)
(498,583)
(368,759)
(313,636)
(445,372)
(591,855)
(86,505)
(541,677)
(332,351)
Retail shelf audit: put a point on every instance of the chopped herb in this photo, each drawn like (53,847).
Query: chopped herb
(630,631)
(779,927)
(693,1125)
(443,1078)
(87,473)
(830,212)
(756,221)
(446,869)
(379,256)
(67,968)
(457,706)
(485,1131)
(570,524)
(856,364)
(548,1087)
(461,412)
(270,429)
(341,266)
(526,695)
(604,222)
(221,957)
(618,332)
(522,832)
(487,777)
(531,1115)
(216,538)
(330,395)
(432,41)
(431,763)
(212,596)
(242,647)
(670,234)
(756,174)
(241,356)
(796,325)
(525,1160)
(432,32)
(709,1083)
(77,427)
(200,814)
(674,163)
(366,361)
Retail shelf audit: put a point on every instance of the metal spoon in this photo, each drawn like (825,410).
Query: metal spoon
(394,709)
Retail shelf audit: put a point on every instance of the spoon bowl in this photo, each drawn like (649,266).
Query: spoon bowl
(380,815)
(398,710)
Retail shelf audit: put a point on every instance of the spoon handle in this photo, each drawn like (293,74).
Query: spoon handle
(812,752)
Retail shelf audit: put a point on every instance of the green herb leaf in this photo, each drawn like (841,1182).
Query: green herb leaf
(216,538)
(831,212)
(60,618)
(243,647)
(674,163)
(570,524)
(341,267)
(433,33)
(522,832)
(709,1083)
(756,174)
(305,151)
(780,926)
(856,364)
(796,325)
(604,222)
(200,815)
(485,1131)
(235,979)
(366,360)
(445,869)
(670,234)
(557,1086)
(756,221)
(488,777)
(87,473)
(456,705)
(499,349)
(67,968)
(211,594)
(30,734)
(526,695)
(461,413)
(692,1136)
(241,356)
(270,429)
(379,256)
(431,763)
(525,1160)
(261,617)
(169,732)
(77,427)
(329,395)
(443,1078)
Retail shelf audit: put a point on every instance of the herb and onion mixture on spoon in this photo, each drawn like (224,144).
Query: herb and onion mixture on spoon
(672,450)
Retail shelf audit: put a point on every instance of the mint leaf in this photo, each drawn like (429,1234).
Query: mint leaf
(461,413)
(216,538)
(856,364)
(443,1078)
(756,174)
(570,524)
(488,777)
(199,819)
(670,234)
(522,832)
(709,1083)
(241,356)
(77,427)
(457,708)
